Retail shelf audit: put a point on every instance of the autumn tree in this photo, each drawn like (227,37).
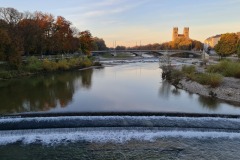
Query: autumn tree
(238,48)
(4,44)
(86,40)
(227,44)
(10,17)
(197,45)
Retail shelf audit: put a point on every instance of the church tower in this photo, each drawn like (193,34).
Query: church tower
(186,32)
(175,34)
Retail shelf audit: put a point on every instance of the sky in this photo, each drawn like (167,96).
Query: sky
(140,22)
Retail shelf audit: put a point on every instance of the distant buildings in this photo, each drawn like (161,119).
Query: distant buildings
(175,34)
(213,41)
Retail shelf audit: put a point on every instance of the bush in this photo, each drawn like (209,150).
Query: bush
(63,64)
(175,76)
(226,68)
(188,69)
(5,74)
(73,62)
(189,72)
(97,64)
(34,64)
(212,79)
(49,65)
(85,63)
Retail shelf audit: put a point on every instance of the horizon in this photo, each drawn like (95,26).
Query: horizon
(141,22)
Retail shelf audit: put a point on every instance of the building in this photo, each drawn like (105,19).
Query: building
(212,41)
(175,34)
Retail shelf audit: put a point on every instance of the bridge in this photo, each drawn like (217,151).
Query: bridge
(172,53)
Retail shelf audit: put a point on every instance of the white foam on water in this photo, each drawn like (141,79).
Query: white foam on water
(94,118)
(109,118)
(58,136)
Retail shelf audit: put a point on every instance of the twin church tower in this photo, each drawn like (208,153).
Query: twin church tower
(175,34)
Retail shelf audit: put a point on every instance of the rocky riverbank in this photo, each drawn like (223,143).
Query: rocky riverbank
(229,90)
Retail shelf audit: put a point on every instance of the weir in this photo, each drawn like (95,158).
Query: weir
(114,128)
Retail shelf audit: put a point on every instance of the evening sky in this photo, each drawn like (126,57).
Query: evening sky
(150,21)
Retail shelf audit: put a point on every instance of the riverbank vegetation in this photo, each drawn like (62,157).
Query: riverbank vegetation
(34,66)
(190,73)
(226,68)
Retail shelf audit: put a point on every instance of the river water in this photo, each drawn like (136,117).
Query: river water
(128,87)
(131,87)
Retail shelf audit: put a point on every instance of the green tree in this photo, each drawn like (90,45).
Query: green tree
(227,45)
(99,44)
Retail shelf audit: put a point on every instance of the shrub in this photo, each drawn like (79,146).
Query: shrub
(226,68)
(189,72)
(188,69)
(49,65)
(212,79)
(73,62)
(63,64)
(34,64)
(176,76)
(86,63)
(5,74)
(97,64)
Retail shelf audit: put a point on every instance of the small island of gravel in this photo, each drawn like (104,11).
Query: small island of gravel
(219,80)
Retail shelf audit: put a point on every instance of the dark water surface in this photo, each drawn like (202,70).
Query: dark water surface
(133,87)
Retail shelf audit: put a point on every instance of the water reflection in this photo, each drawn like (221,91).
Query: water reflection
(42,93)
(130,87)
(209,103)
(166,90)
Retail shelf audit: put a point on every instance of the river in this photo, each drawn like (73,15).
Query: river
(129,87)
(133,87)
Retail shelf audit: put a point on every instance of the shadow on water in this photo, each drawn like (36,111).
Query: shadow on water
(210,103)
(41,93)
(166,90)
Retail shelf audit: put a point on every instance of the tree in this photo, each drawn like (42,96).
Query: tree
(4,43)
(10,15)
(197,45)
(86,42)
(238,48)
(120,48)
(227,44)
(99,44)
(185,44)
(31,36)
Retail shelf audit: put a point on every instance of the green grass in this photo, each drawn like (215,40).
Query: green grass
(189,72)
(226,68)
(211,79)
(188,69)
